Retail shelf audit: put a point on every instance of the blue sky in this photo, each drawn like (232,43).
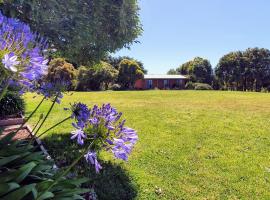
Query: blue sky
(176,31)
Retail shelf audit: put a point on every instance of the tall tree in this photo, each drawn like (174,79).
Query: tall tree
(198,69)
(115,62)
(245,70)
(129,72)
(82,30)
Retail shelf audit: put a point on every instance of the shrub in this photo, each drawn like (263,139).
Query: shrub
(61,71)
(202,86)
(11,104)
(115,87)
(189,85)
(97,77)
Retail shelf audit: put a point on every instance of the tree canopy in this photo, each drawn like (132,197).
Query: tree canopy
(115,62)
(198,69)
(245,70)
(129,72)
(83,31)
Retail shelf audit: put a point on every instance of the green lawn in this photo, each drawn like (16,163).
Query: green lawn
(192,144)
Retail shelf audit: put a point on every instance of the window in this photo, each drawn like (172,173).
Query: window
(177,82)
(149,84)
(166,83)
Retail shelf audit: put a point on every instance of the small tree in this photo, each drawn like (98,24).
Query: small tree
(129,72)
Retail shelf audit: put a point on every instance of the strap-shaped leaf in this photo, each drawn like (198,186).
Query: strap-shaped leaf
(46,195)
(17,175)
(7,187)
(19,193)
(6,139)
(6,160)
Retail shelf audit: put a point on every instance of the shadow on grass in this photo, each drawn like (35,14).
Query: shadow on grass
(112,182)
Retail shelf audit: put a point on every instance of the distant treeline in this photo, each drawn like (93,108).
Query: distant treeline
(247,70)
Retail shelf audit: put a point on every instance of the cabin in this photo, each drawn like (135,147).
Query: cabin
(161,82)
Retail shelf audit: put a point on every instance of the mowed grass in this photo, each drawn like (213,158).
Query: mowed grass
(192,144)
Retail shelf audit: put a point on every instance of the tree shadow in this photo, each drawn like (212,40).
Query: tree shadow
(112,182)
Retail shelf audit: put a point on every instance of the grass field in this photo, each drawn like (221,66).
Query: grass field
(192,144)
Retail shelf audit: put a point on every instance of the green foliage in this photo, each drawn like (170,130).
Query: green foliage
(11,104)
(97,77)
(61,71)
(172,72)
(190,85)
(198,69)
(245,70)
(202,86)
(115,62)
(129,72)
(25,174)
(115,87)
(83,30)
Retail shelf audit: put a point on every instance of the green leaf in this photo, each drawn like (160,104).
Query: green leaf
(20,193)
(4,161)
(17,175)
(46,195)
(25,170)
(71,192)
(6,139)
(7,187)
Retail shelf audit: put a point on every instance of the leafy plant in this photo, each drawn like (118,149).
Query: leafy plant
(202,86)
(11,104)
(25,174)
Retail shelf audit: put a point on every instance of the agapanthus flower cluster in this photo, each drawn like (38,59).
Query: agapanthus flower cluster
(52,90)
(103,127)
(21,53)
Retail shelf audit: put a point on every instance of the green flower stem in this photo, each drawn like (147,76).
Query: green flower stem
(4,91)
(28,118)
(67,170)
(48,113)
(54,126)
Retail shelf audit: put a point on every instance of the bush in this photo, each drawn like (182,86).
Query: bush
(115,87)
(189,85)
(202,86)
(11,104)
(61,71)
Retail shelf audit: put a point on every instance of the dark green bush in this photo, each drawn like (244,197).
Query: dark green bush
(202,86)
(11,104)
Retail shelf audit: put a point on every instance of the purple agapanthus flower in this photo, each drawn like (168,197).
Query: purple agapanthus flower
(52,90)
(23,52)
(103,124)
(81,113)
(79,135)
(91,158)
(10,62)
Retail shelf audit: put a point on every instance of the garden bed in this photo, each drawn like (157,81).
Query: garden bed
(12,120)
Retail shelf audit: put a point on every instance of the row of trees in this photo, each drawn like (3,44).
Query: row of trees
(100,76)
(247,70)
(82,31)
